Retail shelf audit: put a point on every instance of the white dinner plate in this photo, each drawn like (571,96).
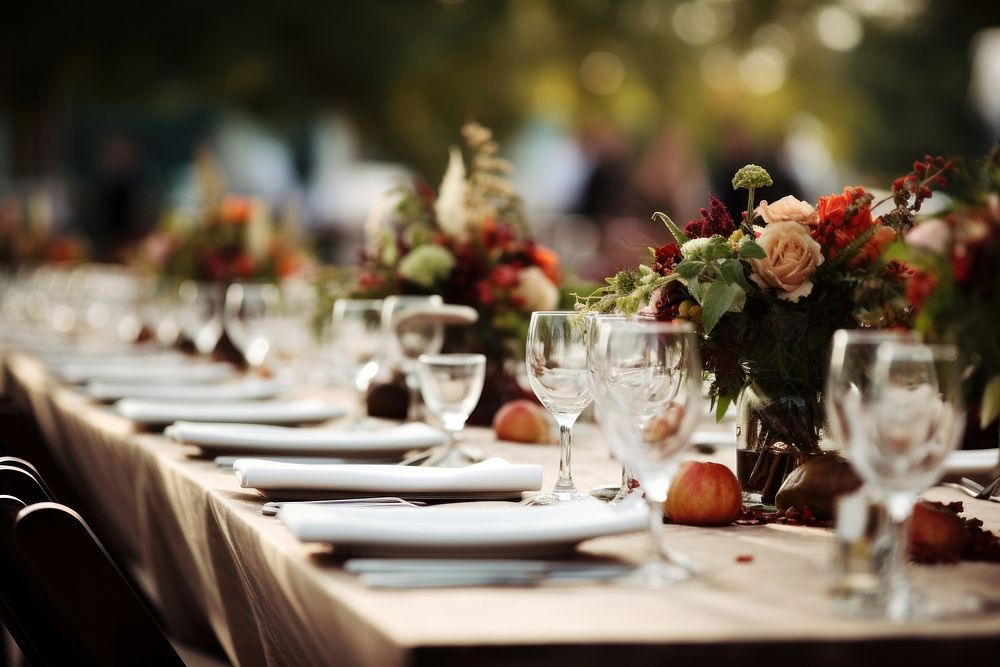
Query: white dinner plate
(508,531)
(258,440)
(302,411)
(246,390)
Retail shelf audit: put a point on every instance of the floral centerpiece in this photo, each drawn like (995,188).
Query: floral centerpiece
(767,292)
(226,240)
(471,244)
(954,284)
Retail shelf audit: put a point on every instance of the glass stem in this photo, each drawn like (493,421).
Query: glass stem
(413,387)
(898,586)
(656,555)
(565,482)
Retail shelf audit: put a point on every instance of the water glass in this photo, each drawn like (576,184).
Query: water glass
(356,337)
(405,344)
(451,385)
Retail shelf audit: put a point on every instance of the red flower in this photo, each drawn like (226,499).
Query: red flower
(842,218)
(715,219)
(919,288)
(874,248)
(548,261)
(503,276)
(235,210)
(961,264)
(666,258)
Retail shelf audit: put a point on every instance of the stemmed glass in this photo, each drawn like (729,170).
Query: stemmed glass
(912,417)
(451,385)
(270,326)
(356,337)
(200,312)
(849,381)
(653,379)
(599,327)
(556,359)
(405,344)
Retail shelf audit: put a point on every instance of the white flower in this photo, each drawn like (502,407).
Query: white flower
(535,290)
(932,235)
(450,204)
(695,248)
(259,233)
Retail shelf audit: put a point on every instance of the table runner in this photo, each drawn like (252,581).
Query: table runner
(215,565)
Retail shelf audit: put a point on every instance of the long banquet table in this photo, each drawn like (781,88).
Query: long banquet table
(217,569)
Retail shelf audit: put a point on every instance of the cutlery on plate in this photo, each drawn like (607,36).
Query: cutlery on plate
(271,508)
(973,488)
(450,573)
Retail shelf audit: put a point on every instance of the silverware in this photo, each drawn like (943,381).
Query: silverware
(271,508)
(973,488)
(453,573)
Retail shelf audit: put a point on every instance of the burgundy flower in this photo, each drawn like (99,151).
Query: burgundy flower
(715,219)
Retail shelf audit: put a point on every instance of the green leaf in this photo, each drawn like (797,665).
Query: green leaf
(721,406)
(990,408)
(678,235)
(750,250)
(694,287)
(717,248)
(717,301)
(732,273)
(689,268)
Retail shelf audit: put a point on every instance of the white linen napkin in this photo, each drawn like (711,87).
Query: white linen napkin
(252,389)
(162,372)
(971,461)
(451,526)
(492,475)
(251,412)
(256,437)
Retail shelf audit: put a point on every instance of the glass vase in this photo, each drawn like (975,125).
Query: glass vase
(775,434)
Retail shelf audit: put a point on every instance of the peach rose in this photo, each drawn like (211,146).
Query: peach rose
(787,209)
(792,258)
(535,290)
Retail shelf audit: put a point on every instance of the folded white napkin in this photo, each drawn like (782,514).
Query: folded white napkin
(461,528)
(972,461)
(252,389)
(160,372)
(492,475)
(318,440)
(251,412)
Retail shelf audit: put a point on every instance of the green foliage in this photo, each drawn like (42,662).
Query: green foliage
(675,231)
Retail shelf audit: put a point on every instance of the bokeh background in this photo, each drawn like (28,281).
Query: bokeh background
(610,109)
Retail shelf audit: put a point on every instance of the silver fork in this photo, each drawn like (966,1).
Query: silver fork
(975,489)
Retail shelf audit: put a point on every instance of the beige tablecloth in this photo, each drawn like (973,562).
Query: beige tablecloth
(216,566)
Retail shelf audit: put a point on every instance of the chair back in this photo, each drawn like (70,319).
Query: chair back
(27,466)
(88,608)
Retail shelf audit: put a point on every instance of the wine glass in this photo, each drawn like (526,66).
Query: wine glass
(356,337)
(912,418)
(556,359)
(652,376)
(269,324)
(849,380)
(200,313)
(451,385)
(405,344)
(599,326)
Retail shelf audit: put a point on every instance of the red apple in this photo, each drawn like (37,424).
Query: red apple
(522,421)
(704,494)
(937,535)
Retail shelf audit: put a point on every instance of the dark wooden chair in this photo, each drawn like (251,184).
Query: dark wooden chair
(62,598)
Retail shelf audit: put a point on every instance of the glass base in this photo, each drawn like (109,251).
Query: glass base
(444,456)
(657,575)
(606,493)
(556,498)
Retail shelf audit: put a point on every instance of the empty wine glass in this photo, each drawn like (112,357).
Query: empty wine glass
(597,335)
(356,337)
(912,417)
(404,345)
(200,313)
(451,385)
(849,380)
(653,379)
(269,324)
(556,359)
